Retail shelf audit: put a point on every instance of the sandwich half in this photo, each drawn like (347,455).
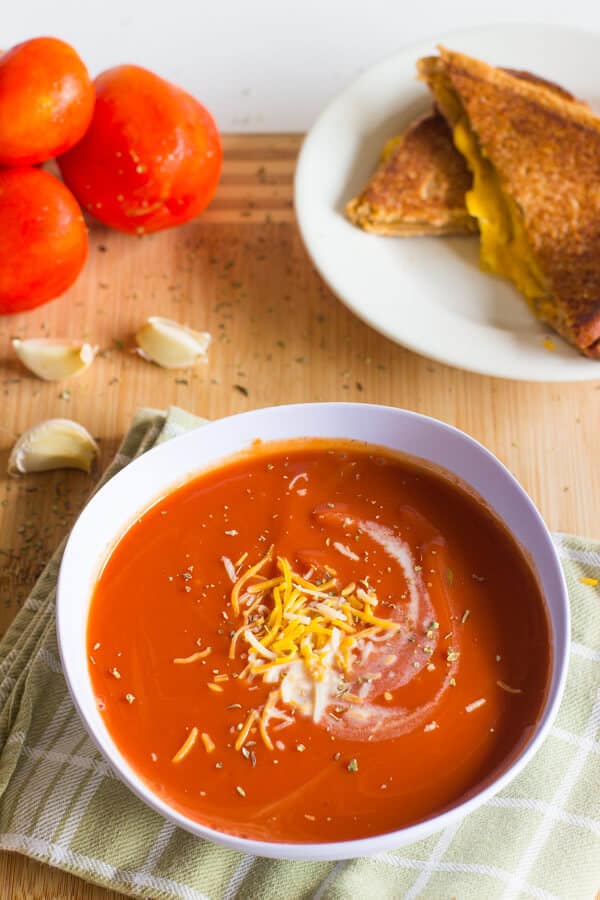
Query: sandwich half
(534,155)
(420,183)
(419,187)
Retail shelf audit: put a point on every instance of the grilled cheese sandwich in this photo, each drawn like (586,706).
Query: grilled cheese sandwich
(534,155)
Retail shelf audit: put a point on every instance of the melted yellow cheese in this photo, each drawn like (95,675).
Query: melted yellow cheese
(505,249)
(390,146)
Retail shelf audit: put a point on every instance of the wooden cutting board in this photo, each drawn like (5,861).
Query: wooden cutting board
(279,336)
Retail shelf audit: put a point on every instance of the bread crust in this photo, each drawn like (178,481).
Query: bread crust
(546,151)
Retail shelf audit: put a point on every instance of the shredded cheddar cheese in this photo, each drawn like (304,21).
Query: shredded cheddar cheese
(201,654)
(302,635)
(235,594)
(265,735)
(186,746)
(243,735)
(209,744)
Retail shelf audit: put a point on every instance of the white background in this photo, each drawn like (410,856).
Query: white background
(265,65)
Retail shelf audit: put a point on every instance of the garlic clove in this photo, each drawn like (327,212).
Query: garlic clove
(53,444)
(54,359)
(170,344)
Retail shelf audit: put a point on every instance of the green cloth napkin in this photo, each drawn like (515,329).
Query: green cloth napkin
(61,803)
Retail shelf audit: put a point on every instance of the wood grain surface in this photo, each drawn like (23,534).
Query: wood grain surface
(279,336)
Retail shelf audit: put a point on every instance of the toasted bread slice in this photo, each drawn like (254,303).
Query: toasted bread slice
(420,184)
(419,187)
(535,158)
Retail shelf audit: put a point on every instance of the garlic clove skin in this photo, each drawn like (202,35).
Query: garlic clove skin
(170,344)
(53,444)
(54,359)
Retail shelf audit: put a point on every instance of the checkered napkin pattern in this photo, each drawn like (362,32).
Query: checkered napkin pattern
(61,803)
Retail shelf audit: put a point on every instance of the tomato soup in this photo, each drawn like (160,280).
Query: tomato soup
(318,642)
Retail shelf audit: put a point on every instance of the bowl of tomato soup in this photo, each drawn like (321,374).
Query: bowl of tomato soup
(315,631)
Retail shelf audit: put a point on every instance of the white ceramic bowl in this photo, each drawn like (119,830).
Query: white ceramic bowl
(162,469)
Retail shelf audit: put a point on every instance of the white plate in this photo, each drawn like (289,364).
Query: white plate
(428,293)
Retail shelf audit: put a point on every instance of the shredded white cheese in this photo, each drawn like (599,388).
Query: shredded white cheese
(345,551)
(475,704)
(296,478)
(229,568)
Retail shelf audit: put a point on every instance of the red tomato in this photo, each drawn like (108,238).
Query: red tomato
(151,157)
(46,101)
(43,238)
